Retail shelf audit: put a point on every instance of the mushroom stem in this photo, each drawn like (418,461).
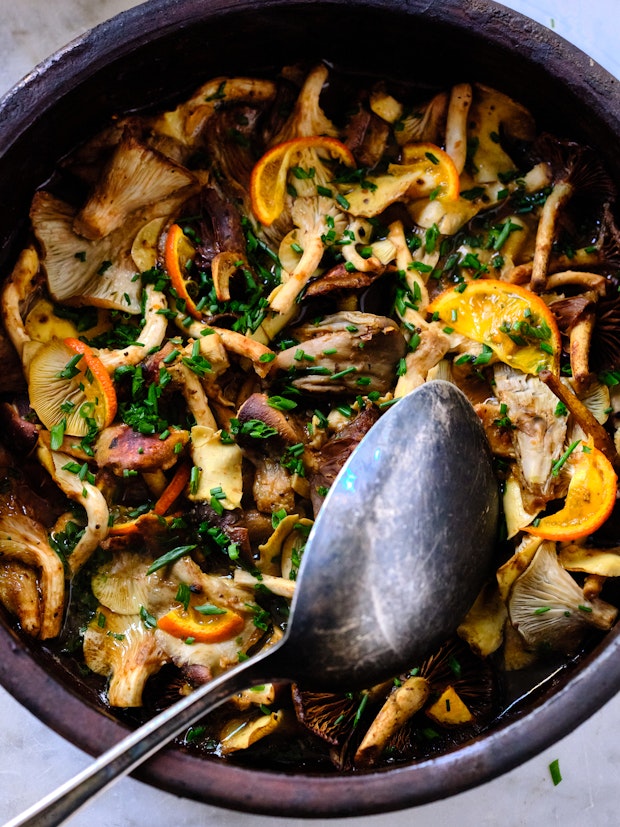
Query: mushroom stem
(456,124)
(559,196)
(584,417)
(580,339)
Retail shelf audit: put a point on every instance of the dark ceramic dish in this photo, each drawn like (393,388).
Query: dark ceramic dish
(166,47)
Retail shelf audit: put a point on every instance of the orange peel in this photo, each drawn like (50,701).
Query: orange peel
(589,502)
(190,623)
(437,172)
(269,176)
(68,381)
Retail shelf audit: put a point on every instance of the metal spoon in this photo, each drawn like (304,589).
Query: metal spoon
(396,557)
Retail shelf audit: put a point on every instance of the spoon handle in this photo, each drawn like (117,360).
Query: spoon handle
(140,745)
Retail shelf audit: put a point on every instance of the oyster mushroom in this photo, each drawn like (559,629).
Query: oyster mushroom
(122,583)
(124,650)
(456,124)
(186,123)
(548,607)
(101,273)
(345,352)
(426,121)
(73,480)
(17,293)
(24,542)
(150,337)
(307,117)
(136,176)
(582,415)
(19,594)
(537,433)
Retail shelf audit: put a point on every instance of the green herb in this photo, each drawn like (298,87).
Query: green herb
(554,770)
(183,595)
(194,479)
(281,403)
(149,620)
(57,434)
(557,465)
(169,557)
(70,370)
(210,609)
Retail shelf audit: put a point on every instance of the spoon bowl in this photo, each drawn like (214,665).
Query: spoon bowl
(396,557)
(401,548)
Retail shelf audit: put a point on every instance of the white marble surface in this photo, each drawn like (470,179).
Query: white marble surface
(34,760)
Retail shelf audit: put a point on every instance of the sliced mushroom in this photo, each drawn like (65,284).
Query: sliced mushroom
(186,123)
(220,471)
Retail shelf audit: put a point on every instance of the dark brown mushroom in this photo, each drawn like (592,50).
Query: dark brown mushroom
(335,452)
(366,135)
(277,424)
(339,278)
(18,427)
(121,448)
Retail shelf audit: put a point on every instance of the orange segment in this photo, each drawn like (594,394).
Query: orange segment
(178,252)
(67,381)
(589,502)
(270,173)
(514,322)
(437,173)
(203,624)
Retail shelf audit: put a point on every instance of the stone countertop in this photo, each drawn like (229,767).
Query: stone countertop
(34,760)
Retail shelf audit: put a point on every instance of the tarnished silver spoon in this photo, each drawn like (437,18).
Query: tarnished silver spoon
(396,557)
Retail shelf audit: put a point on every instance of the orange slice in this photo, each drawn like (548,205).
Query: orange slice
(178,253)
(202,624)
(269,176)
(589,502)
(67,381)
(437,173)
(513,322)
